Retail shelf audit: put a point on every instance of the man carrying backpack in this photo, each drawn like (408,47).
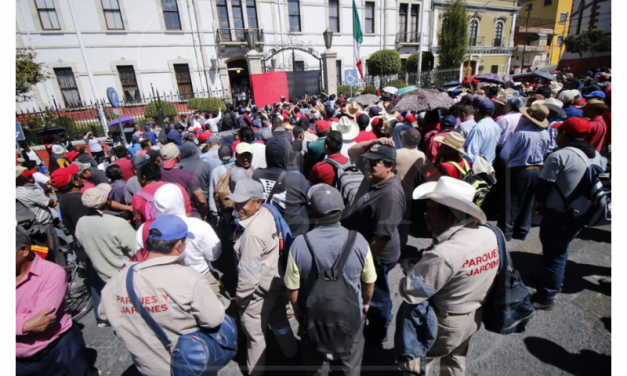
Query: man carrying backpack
(326,171)
(260,294)
(455,273)
(561,174)
(312,297)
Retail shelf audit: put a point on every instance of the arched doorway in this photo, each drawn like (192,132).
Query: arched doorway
(239,78)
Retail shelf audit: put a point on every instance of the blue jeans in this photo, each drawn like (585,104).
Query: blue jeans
(65,357)
(95,284)
(515,216)
(557,230)
(380,312)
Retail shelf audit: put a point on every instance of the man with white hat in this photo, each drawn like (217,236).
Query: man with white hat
(523,156)
(260,295)
(568,97)
(455,273)
(349,130)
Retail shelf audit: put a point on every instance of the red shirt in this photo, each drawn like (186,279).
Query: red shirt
(127,168)
(139,204)
(446,169)
(608,122)
(431,147)
(323,172)
(365,136)
(204,136)
(598,130)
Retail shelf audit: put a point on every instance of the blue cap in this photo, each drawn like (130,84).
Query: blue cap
(486,108)
(449,121)
(256,123)
(517,102)
(595,94)
(374,111)
(242,110)
(135,138)
(147,127)
(213,138)
(169,227)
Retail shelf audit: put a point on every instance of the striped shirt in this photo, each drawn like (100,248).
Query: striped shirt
(35,201)
(526,147)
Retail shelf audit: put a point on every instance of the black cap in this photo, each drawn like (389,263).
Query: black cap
(153,154)
(378,151)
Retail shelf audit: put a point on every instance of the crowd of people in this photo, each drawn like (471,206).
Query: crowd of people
(239,213)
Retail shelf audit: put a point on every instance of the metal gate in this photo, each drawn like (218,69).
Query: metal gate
(301,83)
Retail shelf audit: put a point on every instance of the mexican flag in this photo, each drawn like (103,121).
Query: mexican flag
(358,38)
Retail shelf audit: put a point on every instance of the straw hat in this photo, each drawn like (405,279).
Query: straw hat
(347,127)
(595,104)
(554,105)
(451,192)
(537,113)
(353,108)
(453,140)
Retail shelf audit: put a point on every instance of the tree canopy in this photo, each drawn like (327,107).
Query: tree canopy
(591,40)
(28,73)
(384,62)
(453,37)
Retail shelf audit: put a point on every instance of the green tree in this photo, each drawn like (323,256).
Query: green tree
(27,73)
(412,61)
(384,62)
(152,109)
(453,37)
(592,40)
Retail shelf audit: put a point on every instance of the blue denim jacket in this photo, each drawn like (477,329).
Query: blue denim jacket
(416,329)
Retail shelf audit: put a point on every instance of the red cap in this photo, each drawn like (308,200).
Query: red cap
(475,82)
(323,126)
(28,173)
(62,177)
(410,118)
(70,155)
(576,127)
(375,121)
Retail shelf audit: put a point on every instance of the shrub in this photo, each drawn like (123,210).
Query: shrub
(193,104)
(369,89)
(34,123)
(212,105)
(384,62)
(396,83)
(152,110)
(346,89)
(412,62)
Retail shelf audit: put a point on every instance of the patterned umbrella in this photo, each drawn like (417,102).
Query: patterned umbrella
(489,77)
(422,99)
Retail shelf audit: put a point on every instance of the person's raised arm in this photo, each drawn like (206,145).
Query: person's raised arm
(361,148)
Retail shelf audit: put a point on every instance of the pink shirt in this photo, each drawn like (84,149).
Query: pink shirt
(42,288)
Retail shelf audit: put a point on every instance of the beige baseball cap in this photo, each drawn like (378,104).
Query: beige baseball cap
(169,152)
(96,197)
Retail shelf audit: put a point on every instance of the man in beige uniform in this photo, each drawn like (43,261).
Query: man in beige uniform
(260,295)
(179,303)
(455,273)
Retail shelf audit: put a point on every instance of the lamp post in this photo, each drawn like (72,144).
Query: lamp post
(328,38)
(528,8)
(250,38)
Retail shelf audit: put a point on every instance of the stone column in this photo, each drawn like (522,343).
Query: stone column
(330,72)
(254,62)
(223,76)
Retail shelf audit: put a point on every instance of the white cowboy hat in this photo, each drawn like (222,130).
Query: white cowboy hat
(347,127)
(451,192)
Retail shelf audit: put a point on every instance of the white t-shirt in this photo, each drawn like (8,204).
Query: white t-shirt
(94,145)
(40,181)
(58,149)
(32,155)
(259,155)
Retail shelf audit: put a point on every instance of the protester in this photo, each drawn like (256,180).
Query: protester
(118,185)
(122,160)
(328,237)
(560,175)
(450,159)
(447,124)
(484,136)
(179,303)
(594,111)
(326,171)
(455,287)
(510,121)
(29,154)
(260,295)
(467,118)
(568,97)
(68,184)
(523,156)
(210,156)
(376,215)
(47,341)
(190,161)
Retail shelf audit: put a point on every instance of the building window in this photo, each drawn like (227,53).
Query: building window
(47,15)
(129,83)
(548,2)
(67,82)
(251,12)
(184,81)
(112,14)
(369,17)
(299,66)
(474,30)
(334,15)
(238,19)
(560,41)
(293,7)
(580,22)
(414,23)
(171,15)
(402,19)
(403,65)
(563,18)
(223,16)
(338,71)
(498,35)
(494,69)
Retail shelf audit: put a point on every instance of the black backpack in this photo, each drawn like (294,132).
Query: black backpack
(508,306)
(26,220)
(227,121)
(162,137)
(333,312)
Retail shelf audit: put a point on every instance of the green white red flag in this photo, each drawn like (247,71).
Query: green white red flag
(358,38)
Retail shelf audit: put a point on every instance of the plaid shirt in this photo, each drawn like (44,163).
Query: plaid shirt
(526,147)
(35,201)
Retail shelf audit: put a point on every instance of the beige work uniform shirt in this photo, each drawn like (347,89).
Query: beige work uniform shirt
(257,254)
(179,299)
(457,271)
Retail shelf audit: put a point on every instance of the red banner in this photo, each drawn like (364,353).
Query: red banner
(268,88)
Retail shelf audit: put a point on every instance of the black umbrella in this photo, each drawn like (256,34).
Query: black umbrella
(52,130)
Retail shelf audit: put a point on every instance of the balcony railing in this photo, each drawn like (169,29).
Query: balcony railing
(237,35)
(408,37)
(476,41)
(498,42)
